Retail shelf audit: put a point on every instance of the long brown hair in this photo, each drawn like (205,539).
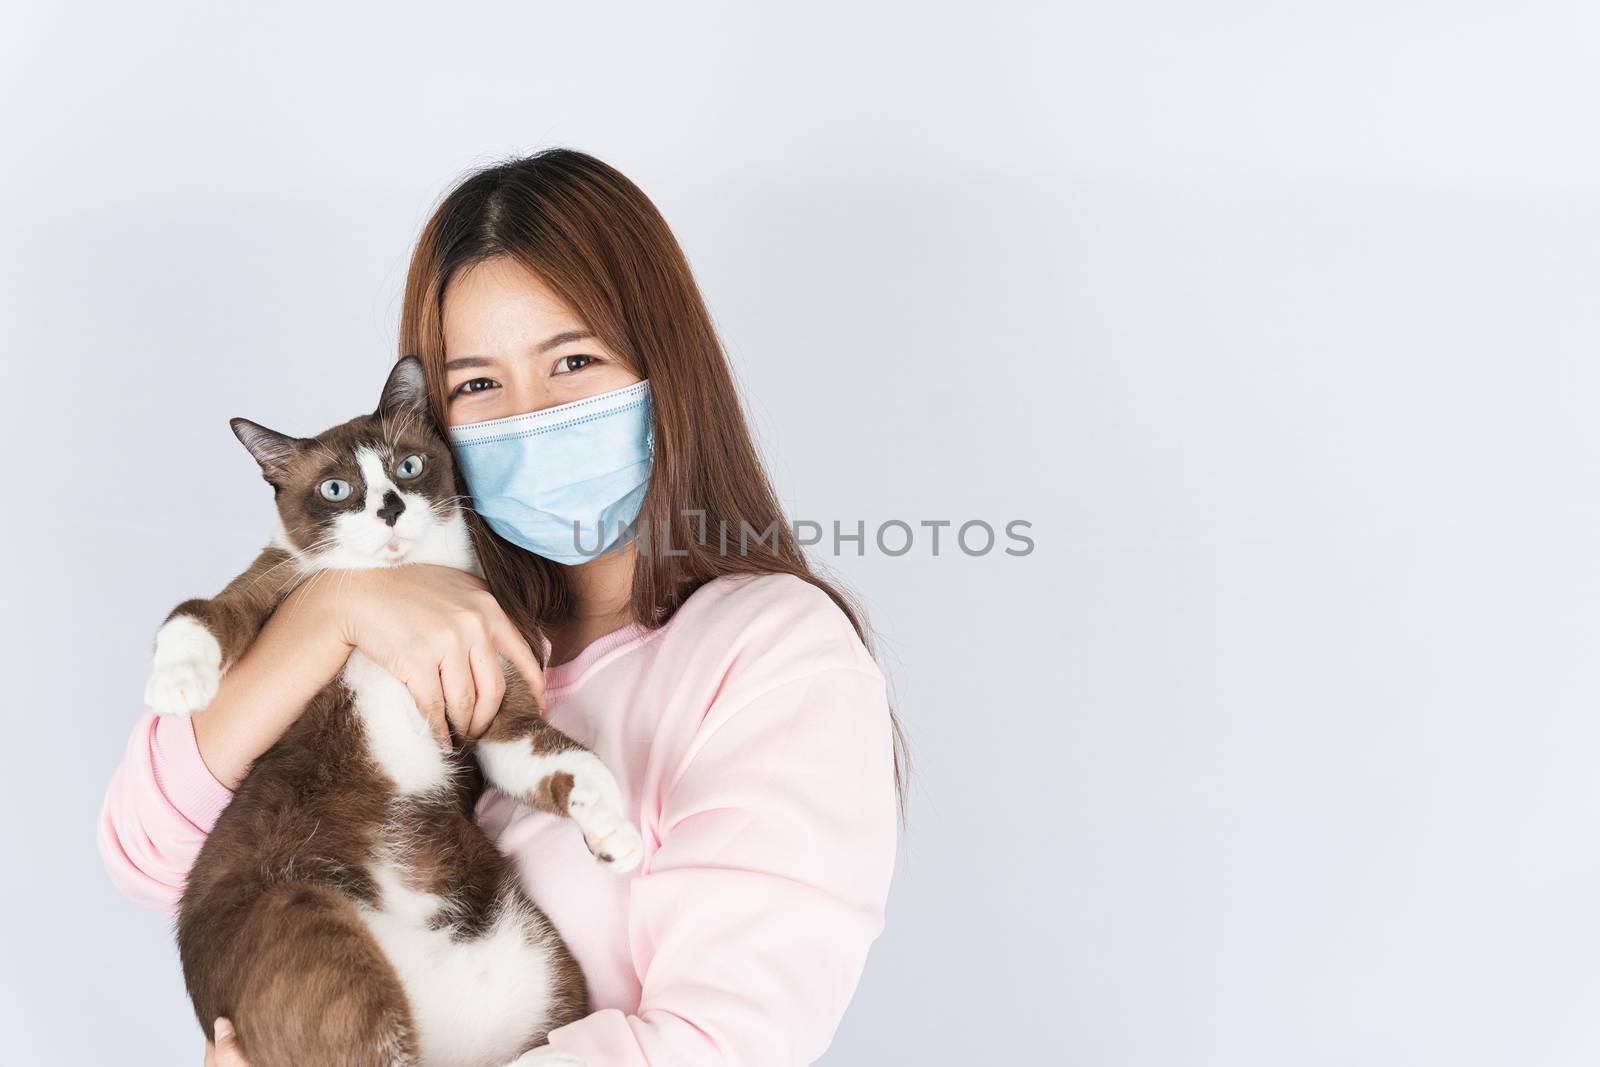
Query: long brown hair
(598,242)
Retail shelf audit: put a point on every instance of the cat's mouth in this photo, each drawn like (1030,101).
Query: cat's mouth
(394,549)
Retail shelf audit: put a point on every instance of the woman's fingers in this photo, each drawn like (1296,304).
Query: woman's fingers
(511,645)
(460,694)
(427,691)
(442,633)
(490,681)
(226,1051)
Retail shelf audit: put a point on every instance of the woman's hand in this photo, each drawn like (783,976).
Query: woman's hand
(225,1053)
(437,629)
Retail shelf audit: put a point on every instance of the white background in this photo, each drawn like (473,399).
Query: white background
(1277,320)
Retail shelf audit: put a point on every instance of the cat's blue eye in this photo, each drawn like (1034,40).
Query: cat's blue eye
(409,468)
(335,490)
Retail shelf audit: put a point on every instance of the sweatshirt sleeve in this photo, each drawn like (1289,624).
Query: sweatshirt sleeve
(750,925)
(158,808)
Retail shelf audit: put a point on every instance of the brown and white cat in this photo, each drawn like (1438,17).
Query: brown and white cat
(346,909)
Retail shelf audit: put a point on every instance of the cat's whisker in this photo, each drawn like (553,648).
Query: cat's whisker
(299,592)
(292,560)
(447,506)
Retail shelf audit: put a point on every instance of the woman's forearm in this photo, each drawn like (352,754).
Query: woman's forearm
(298,651)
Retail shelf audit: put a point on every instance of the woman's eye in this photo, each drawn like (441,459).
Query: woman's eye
(568,364)
(335,490)
(474,385)
(409,468)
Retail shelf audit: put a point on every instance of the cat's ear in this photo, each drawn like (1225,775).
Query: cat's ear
(273,450)
(406,391)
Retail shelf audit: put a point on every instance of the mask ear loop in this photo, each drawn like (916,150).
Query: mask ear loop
(650,412)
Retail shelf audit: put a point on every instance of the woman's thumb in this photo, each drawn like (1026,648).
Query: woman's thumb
(228,1054)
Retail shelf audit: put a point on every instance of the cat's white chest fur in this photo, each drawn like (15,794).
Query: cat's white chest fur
(397,734)
(475,1003)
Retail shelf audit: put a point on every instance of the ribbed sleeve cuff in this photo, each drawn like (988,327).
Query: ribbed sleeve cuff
(182,776)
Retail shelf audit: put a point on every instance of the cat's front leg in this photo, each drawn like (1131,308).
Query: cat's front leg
(186,668)
(201,637)
(525,757)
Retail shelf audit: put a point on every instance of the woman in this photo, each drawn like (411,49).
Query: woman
(727,686)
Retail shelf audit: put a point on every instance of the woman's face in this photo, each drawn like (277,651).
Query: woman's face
(511,346)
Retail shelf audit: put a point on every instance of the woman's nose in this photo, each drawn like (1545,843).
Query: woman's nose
(530,398)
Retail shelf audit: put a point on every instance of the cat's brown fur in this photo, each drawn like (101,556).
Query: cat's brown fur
(271,929)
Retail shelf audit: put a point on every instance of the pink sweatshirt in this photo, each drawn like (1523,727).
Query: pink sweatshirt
(751,739)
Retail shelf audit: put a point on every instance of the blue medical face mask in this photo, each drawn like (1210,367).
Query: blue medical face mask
(534,477)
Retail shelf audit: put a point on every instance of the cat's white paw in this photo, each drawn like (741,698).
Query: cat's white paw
(621,848)
(188,664)
(543,1057)
(595,804)
(594,801)
(179,688)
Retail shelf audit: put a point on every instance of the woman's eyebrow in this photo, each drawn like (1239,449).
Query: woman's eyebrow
(463,362)
(563,338)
